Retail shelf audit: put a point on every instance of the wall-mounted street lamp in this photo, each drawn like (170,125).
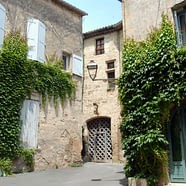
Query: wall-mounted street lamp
(92,68)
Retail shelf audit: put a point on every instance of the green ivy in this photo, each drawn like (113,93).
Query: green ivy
(19,77)
(153,78)
(5,167)
(28,157)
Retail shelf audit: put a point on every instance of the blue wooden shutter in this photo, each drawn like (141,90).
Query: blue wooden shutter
(2,24)
(30,120)
(36,40)
(41,42)
(77,65)
(32,36)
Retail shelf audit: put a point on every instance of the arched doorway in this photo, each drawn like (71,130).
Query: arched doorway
(177,138)
(99,139)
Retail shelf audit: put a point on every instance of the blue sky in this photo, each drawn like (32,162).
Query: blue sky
(101,13)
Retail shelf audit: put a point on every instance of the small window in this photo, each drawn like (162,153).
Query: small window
(110,74)
(66,61)
(110,65)
(99,46)
(111,79)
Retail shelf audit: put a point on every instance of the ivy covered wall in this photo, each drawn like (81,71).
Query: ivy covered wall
(18,78)
(153,78)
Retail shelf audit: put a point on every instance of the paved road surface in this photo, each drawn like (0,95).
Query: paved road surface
(91,174)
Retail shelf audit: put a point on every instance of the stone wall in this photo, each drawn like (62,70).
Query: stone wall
(63,27)
(141,16)
(60,134)
(98,92)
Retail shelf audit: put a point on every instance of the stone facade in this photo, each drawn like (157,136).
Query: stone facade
(99,100)
(139,18)
(59,136)
(143,15)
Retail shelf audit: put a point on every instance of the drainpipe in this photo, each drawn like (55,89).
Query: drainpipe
(83,76)
(124,19)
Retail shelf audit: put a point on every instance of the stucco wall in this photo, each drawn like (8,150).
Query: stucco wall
(59,136)
(141,16)
(97,91)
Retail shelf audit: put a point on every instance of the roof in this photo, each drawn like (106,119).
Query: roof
(105,30)
(69,7)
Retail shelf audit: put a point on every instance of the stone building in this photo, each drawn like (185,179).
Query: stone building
(52,28)
(139,18)
(101,107)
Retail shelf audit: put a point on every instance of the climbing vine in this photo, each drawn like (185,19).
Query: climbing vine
(19,77)
(153,78)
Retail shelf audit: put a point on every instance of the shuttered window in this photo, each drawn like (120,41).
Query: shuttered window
(36,40)
(2,24)
(77,67)
(30,120)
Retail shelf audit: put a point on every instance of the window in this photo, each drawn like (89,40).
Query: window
(66,61)
(2,24)
(110,74)
(100,46)
(180,22)
(36,40)
(110,65)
